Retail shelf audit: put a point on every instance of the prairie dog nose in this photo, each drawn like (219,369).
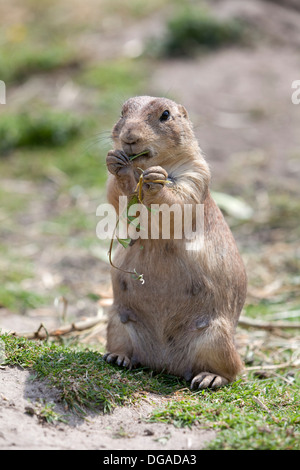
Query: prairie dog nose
(130,136)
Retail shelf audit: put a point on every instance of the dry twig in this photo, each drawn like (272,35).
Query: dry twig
(42,333)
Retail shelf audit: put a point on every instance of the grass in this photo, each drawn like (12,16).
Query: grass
(194,29)
(84,379)
(285,209)
(47,413)
(123,75)
(13,275)
(11,202)
(266,308)
(32,43)
(253,413)
(71,172)
(19,300)
(44,128)
(242,422)
(134,8)
(18,63)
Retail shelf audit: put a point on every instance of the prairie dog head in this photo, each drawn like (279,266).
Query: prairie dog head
(158,126)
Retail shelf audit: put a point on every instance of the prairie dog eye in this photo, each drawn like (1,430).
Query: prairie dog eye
(165,115)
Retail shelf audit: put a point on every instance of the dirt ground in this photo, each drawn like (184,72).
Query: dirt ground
(240,101)
(124,429)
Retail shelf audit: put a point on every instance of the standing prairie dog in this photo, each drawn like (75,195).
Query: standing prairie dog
(182,319)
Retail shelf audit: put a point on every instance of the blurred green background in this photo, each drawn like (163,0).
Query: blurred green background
(69,65)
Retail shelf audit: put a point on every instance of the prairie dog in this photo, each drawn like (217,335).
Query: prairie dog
(182,319)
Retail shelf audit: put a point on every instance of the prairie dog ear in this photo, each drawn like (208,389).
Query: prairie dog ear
(183,111)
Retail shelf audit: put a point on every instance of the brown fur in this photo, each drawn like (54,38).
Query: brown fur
(182,319)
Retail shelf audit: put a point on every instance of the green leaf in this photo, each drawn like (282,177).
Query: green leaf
(124,241)
(138,155)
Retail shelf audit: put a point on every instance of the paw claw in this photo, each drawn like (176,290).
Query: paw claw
(208,380)
(119,359)
(110,358)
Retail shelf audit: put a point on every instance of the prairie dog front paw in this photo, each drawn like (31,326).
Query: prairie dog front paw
(117,162)
(154,178)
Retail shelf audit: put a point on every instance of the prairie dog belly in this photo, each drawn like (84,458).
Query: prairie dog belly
(163,265)
(161,327)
